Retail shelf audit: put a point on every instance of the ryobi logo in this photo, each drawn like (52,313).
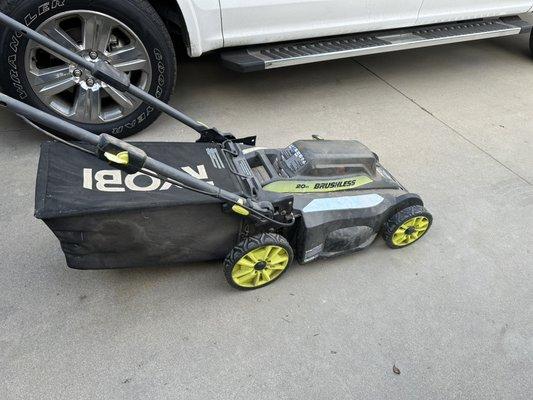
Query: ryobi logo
(114,180)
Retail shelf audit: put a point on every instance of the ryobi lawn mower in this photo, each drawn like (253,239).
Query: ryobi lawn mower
(113,204)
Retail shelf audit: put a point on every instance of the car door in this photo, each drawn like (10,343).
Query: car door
(260,21)
(434,11)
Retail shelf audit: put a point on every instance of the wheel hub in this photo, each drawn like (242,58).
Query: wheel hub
(72,91)
(261,265)
(410,230)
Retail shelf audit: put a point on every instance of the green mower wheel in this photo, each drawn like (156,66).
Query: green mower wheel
(258,261)
(407,227)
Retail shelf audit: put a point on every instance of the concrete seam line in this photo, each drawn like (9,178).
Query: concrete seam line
(13,131)
(444,123)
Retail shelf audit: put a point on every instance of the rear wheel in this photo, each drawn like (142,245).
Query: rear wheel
(128,34)
(407,227)
(258,261)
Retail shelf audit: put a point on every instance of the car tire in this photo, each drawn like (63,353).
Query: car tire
(132,25)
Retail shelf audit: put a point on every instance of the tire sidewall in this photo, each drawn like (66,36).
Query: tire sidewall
(162,58)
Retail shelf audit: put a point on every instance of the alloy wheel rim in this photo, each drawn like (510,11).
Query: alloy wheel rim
(260,266)
(410,231)
(73,92)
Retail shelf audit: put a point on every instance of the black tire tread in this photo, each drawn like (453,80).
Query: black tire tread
(7,5)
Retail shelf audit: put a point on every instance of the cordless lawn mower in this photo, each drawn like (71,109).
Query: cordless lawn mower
(113,204)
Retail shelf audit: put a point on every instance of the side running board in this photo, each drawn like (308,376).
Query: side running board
(332,48)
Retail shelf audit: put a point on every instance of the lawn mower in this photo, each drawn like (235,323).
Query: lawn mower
(114,204)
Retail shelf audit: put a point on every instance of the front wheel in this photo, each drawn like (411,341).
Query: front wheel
(128,34)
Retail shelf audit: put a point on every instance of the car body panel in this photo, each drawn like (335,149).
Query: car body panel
(215,24)
(436,11)
(263,21)
(203,23)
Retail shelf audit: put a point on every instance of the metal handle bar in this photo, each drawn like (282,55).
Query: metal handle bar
(115,78)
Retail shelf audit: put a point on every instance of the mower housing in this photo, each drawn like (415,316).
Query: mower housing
(339,194)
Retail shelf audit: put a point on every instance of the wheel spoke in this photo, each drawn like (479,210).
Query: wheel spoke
(96,32)
(280,257)
(400,238)
(34,45)
(266,275)
(270,251)
(243,272)
(257,278)
(250,256)
(122,99)
(58,35)
(88,103)
(129,58)
(51,81)
(249,277)
(246,262)
(279,263)
(262,253)
(132,65)
(273,253)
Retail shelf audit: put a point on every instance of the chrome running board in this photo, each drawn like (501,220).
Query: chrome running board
(346,46)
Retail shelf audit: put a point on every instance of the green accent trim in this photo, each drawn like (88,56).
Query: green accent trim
(240,210)
(122,158)
(322,186)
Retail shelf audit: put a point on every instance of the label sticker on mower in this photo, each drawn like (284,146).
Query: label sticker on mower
(215,158)
(344,203)
(336,185)
(293,158)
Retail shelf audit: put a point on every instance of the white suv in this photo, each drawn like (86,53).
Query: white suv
(139,37)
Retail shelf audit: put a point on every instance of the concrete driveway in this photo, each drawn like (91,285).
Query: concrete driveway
(453,313)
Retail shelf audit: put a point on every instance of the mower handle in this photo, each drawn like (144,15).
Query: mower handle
(119,80)
(123,155)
